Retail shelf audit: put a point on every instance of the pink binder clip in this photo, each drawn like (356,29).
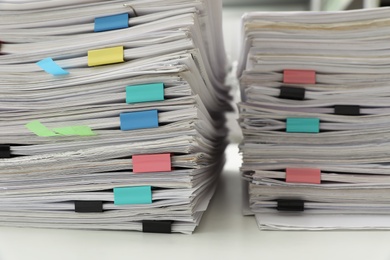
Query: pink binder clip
(299,77)
(303,175)
(152,163)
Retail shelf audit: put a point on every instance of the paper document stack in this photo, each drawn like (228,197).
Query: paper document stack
(315,114)
(112,113)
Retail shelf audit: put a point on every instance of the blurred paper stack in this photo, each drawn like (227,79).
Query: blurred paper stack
(315,114)
(112,113)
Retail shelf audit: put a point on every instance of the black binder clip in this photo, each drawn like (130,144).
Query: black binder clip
(347,110)
(290,205)
(154,226)
(5,151)
(292,93)
(85,206)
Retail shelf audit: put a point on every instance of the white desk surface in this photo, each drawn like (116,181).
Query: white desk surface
(223,234)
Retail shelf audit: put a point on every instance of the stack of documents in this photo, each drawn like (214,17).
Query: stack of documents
(315,114)
(112,113)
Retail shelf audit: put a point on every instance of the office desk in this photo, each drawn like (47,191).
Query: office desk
(223,234)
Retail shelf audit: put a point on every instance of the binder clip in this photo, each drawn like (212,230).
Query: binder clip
(293,93)
(5,151)
(84,206)
(153,226)
(290,205)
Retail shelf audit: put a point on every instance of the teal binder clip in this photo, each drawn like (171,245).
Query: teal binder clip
(145,93)
(303,125)
(133,195)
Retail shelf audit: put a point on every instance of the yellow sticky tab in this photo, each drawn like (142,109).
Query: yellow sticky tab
(105,56)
